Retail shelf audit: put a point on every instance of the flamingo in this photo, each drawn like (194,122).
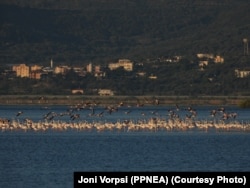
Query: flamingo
(19,113)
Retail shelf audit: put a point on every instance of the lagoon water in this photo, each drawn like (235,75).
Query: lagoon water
(49,159)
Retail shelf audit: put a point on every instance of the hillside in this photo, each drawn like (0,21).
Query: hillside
(102,30)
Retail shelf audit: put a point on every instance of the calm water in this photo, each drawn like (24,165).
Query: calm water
(49,159)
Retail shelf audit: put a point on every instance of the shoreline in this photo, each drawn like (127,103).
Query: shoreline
(125,100)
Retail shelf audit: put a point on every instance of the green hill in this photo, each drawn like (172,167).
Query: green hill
(100,30)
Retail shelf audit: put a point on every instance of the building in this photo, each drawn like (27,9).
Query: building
(152,77)
(125,63)
(77,91)
(35,68)
(113,66)
(21,70)
(206,56)
(141,73)
(78,70)
(35,75)
(89,67)
(203,64)
(218,59)
(241,73)
(97,68)
(35,72)
(61,69)
(103,92)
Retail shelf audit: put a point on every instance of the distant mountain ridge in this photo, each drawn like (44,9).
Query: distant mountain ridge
(79,4)
(100,30)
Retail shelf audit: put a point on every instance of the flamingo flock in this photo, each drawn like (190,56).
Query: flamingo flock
(222,120)
(153,125)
